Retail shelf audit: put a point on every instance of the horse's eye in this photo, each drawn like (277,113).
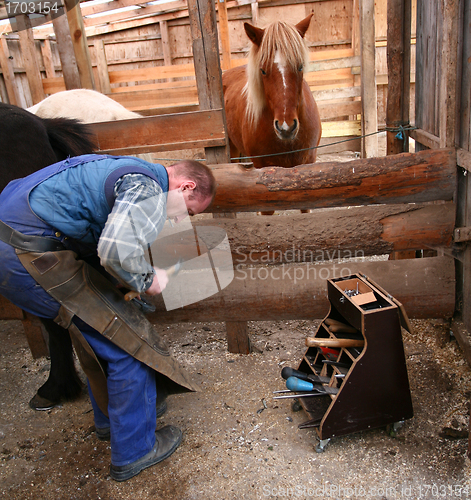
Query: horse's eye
(301,67)
(264,73)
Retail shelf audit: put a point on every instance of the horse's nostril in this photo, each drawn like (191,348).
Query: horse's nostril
(286,130)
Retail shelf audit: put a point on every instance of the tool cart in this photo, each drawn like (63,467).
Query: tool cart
(371,378)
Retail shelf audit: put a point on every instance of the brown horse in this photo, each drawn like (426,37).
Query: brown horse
(269,106)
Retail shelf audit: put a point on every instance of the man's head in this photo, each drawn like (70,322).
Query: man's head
(191,189)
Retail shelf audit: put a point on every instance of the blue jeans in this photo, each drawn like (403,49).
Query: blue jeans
(131,384)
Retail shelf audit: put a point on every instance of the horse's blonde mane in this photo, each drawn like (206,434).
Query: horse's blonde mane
(279,37)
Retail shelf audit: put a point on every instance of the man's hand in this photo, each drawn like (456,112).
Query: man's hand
(159,283)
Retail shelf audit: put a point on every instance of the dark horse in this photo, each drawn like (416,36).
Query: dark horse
(28,143)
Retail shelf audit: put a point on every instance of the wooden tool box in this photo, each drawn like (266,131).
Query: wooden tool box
(372,381)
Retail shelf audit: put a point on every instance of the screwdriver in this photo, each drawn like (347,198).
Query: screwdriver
(291,372)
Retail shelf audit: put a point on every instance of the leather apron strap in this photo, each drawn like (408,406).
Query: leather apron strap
(84,292)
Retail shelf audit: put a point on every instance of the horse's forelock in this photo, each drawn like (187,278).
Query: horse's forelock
(279,37)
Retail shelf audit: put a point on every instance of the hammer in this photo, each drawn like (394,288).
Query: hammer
(171,271)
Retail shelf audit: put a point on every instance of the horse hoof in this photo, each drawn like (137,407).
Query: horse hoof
(39,403)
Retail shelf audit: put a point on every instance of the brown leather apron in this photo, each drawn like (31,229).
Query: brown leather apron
(82,291)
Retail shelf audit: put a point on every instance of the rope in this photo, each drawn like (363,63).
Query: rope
(401,135)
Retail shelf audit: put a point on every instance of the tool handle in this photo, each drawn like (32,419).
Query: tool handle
(291,372)
(131,295)
(287,372)
(318,342)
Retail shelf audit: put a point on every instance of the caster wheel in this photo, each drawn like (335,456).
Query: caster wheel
(296,406)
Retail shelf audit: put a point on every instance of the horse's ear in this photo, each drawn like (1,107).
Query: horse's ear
(255,34)
(303,25)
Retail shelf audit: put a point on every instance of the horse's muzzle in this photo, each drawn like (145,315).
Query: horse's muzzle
(286,132)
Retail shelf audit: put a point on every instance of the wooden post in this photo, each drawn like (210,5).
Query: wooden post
(448,77)
(224,34)
(9,74)
(209,83)
(66,50)
(369,122)
(79,41)
(30,60)
(207,67)
(398,54)
(102,67)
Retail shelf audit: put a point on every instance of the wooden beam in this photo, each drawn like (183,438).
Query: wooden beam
(425,138)
(327,234)
(30,60)
(368,84)
(79,40)
(426,288)
(9,75)
(160,133)
(66,51)
(405,178)
(398,55)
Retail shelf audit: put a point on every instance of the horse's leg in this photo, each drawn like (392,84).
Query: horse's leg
(63,382)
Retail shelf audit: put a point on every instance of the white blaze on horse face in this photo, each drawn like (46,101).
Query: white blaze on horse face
(281,64)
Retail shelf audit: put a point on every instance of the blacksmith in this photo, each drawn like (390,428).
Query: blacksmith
(70,233)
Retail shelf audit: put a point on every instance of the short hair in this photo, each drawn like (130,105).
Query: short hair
(200,174)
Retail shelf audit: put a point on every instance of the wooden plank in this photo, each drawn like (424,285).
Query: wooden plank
(66,52)
(47,58)
(426,287)
(149,99)
(425,138)
(102,67)
(405,178)
(30,61)
(343,93)
(53,85)
(190,84)
(79,41)
(224,34)
(328,111)
(369,97)
(160,133)
(398,53)
(165,45)
(8,74)
(341,128)
(337,63)
(153,73)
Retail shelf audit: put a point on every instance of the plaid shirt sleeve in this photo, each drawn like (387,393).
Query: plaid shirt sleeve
(138,214)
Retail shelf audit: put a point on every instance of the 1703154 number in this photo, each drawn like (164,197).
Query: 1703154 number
(18,7)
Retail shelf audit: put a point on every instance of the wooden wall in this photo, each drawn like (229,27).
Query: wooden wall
(161,38)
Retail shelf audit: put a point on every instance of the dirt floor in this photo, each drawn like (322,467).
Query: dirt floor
(238,441)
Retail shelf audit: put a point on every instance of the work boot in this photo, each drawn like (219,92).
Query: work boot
(167,441)
(103,434)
